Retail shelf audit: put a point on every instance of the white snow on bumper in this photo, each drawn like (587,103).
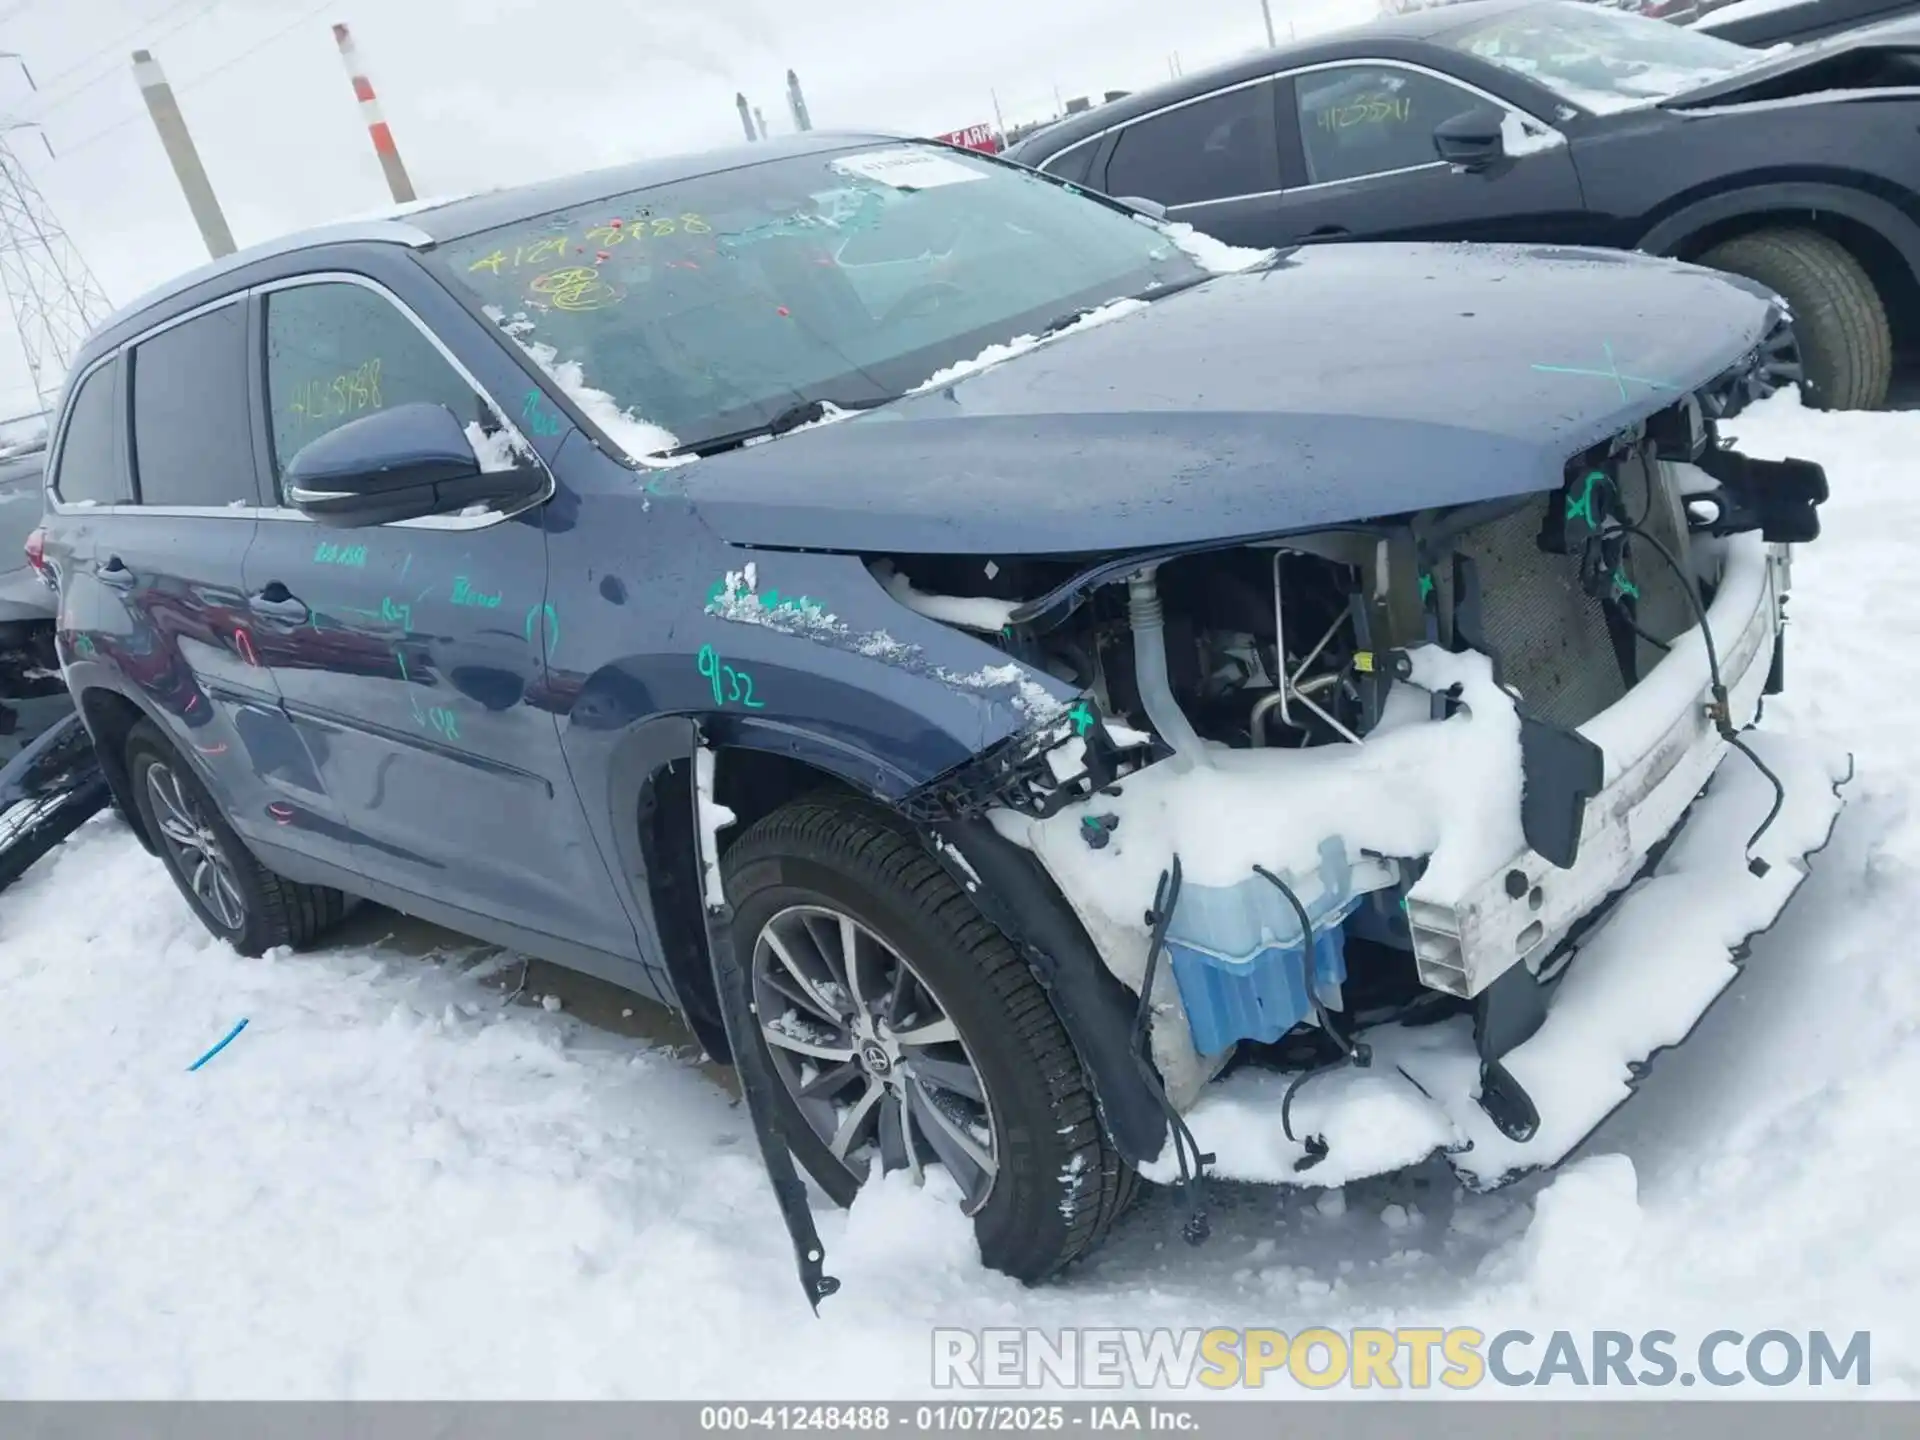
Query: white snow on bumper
(1660,747)
(1639,981)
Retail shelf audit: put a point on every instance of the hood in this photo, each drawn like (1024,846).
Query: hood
(1832,67)
(1344,382)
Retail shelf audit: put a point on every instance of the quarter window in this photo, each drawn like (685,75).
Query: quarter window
(87,470)
(1073,164)
(1368,119)
(1208,150)
(192,438)
(337,351)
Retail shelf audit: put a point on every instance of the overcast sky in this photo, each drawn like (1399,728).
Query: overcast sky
(484,92)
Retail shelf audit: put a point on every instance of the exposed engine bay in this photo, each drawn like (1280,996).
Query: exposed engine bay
(1311,897)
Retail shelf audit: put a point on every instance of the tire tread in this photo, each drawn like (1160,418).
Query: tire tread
(1838,314)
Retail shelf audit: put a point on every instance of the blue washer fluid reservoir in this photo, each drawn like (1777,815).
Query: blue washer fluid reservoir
(1240,961)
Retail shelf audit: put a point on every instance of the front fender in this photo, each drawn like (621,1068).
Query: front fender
(806,655)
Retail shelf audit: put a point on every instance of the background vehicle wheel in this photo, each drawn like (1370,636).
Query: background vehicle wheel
(1846,343)
(235,896)
(906,1029)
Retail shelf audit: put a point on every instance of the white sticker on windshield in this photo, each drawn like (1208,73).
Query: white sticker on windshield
(907,169)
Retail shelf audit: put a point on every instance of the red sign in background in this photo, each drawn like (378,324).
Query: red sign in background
(974,137)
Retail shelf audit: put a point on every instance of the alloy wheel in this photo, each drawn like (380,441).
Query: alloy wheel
(868,1052)
(196,850)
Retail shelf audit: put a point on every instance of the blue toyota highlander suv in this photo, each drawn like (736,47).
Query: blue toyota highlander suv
(1006,668)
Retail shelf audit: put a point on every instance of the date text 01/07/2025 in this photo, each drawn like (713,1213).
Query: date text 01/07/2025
(945,1419)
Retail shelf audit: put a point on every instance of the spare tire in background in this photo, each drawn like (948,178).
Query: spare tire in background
(1846,342)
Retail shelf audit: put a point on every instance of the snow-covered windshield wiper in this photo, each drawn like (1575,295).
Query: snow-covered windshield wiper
(1072,317)
(803,412)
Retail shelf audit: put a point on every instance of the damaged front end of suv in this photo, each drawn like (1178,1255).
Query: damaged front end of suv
(1356,799)
(1348,811)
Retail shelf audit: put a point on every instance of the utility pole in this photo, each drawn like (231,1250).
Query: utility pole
(55,301)
(178,144)
(746,114)
(1266,13)
(760,119)
(398,181)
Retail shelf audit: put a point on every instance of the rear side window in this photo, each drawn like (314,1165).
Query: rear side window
(1211,149)
(1073,165)
(87,469)
(338,351)
(192,439)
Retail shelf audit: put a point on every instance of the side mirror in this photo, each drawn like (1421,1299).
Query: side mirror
(1152,209)
(399,464)
(1472,141)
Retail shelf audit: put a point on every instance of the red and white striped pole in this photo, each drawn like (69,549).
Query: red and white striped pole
(383,145)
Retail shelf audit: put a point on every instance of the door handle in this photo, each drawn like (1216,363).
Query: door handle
(113,571)
(276,602)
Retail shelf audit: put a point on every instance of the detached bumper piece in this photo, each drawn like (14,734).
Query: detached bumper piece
(1635,982)
(47,791)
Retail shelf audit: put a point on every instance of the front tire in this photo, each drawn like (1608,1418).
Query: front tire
(236,897)
(1846,342)
(932,1044)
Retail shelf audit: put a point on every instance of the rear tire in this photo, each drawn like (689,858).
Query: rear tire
(1846,342)
(237,898)
(836,866)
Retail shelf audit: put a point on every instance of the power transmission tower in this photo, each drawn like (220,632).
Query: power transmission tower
(55,300)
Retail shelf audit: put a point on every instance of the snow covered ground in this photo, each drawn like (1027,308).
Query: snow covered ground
(392,1183)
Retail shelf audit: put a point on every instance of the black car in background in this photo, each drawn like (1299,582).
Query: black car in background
(1798,21)
(1556,123)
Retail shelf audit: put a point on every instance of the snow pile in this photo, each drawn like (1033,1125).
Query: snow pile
(500,449)
(1020,344)
(1209,253)
(1449,788)
(1521,136)
(641,440)
(970,612)
(1637,983)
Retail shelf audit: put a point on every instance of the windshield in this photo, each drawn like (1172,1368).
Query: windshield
(1600,59)
(713,305)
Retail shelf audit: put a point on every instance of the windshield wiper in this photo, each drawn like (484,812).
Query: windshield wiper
(803,412)
(1152,293)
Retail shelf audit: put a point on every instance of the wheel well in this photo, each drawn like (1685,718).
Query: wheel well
(109,719)
(1886,267)
(750,783)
